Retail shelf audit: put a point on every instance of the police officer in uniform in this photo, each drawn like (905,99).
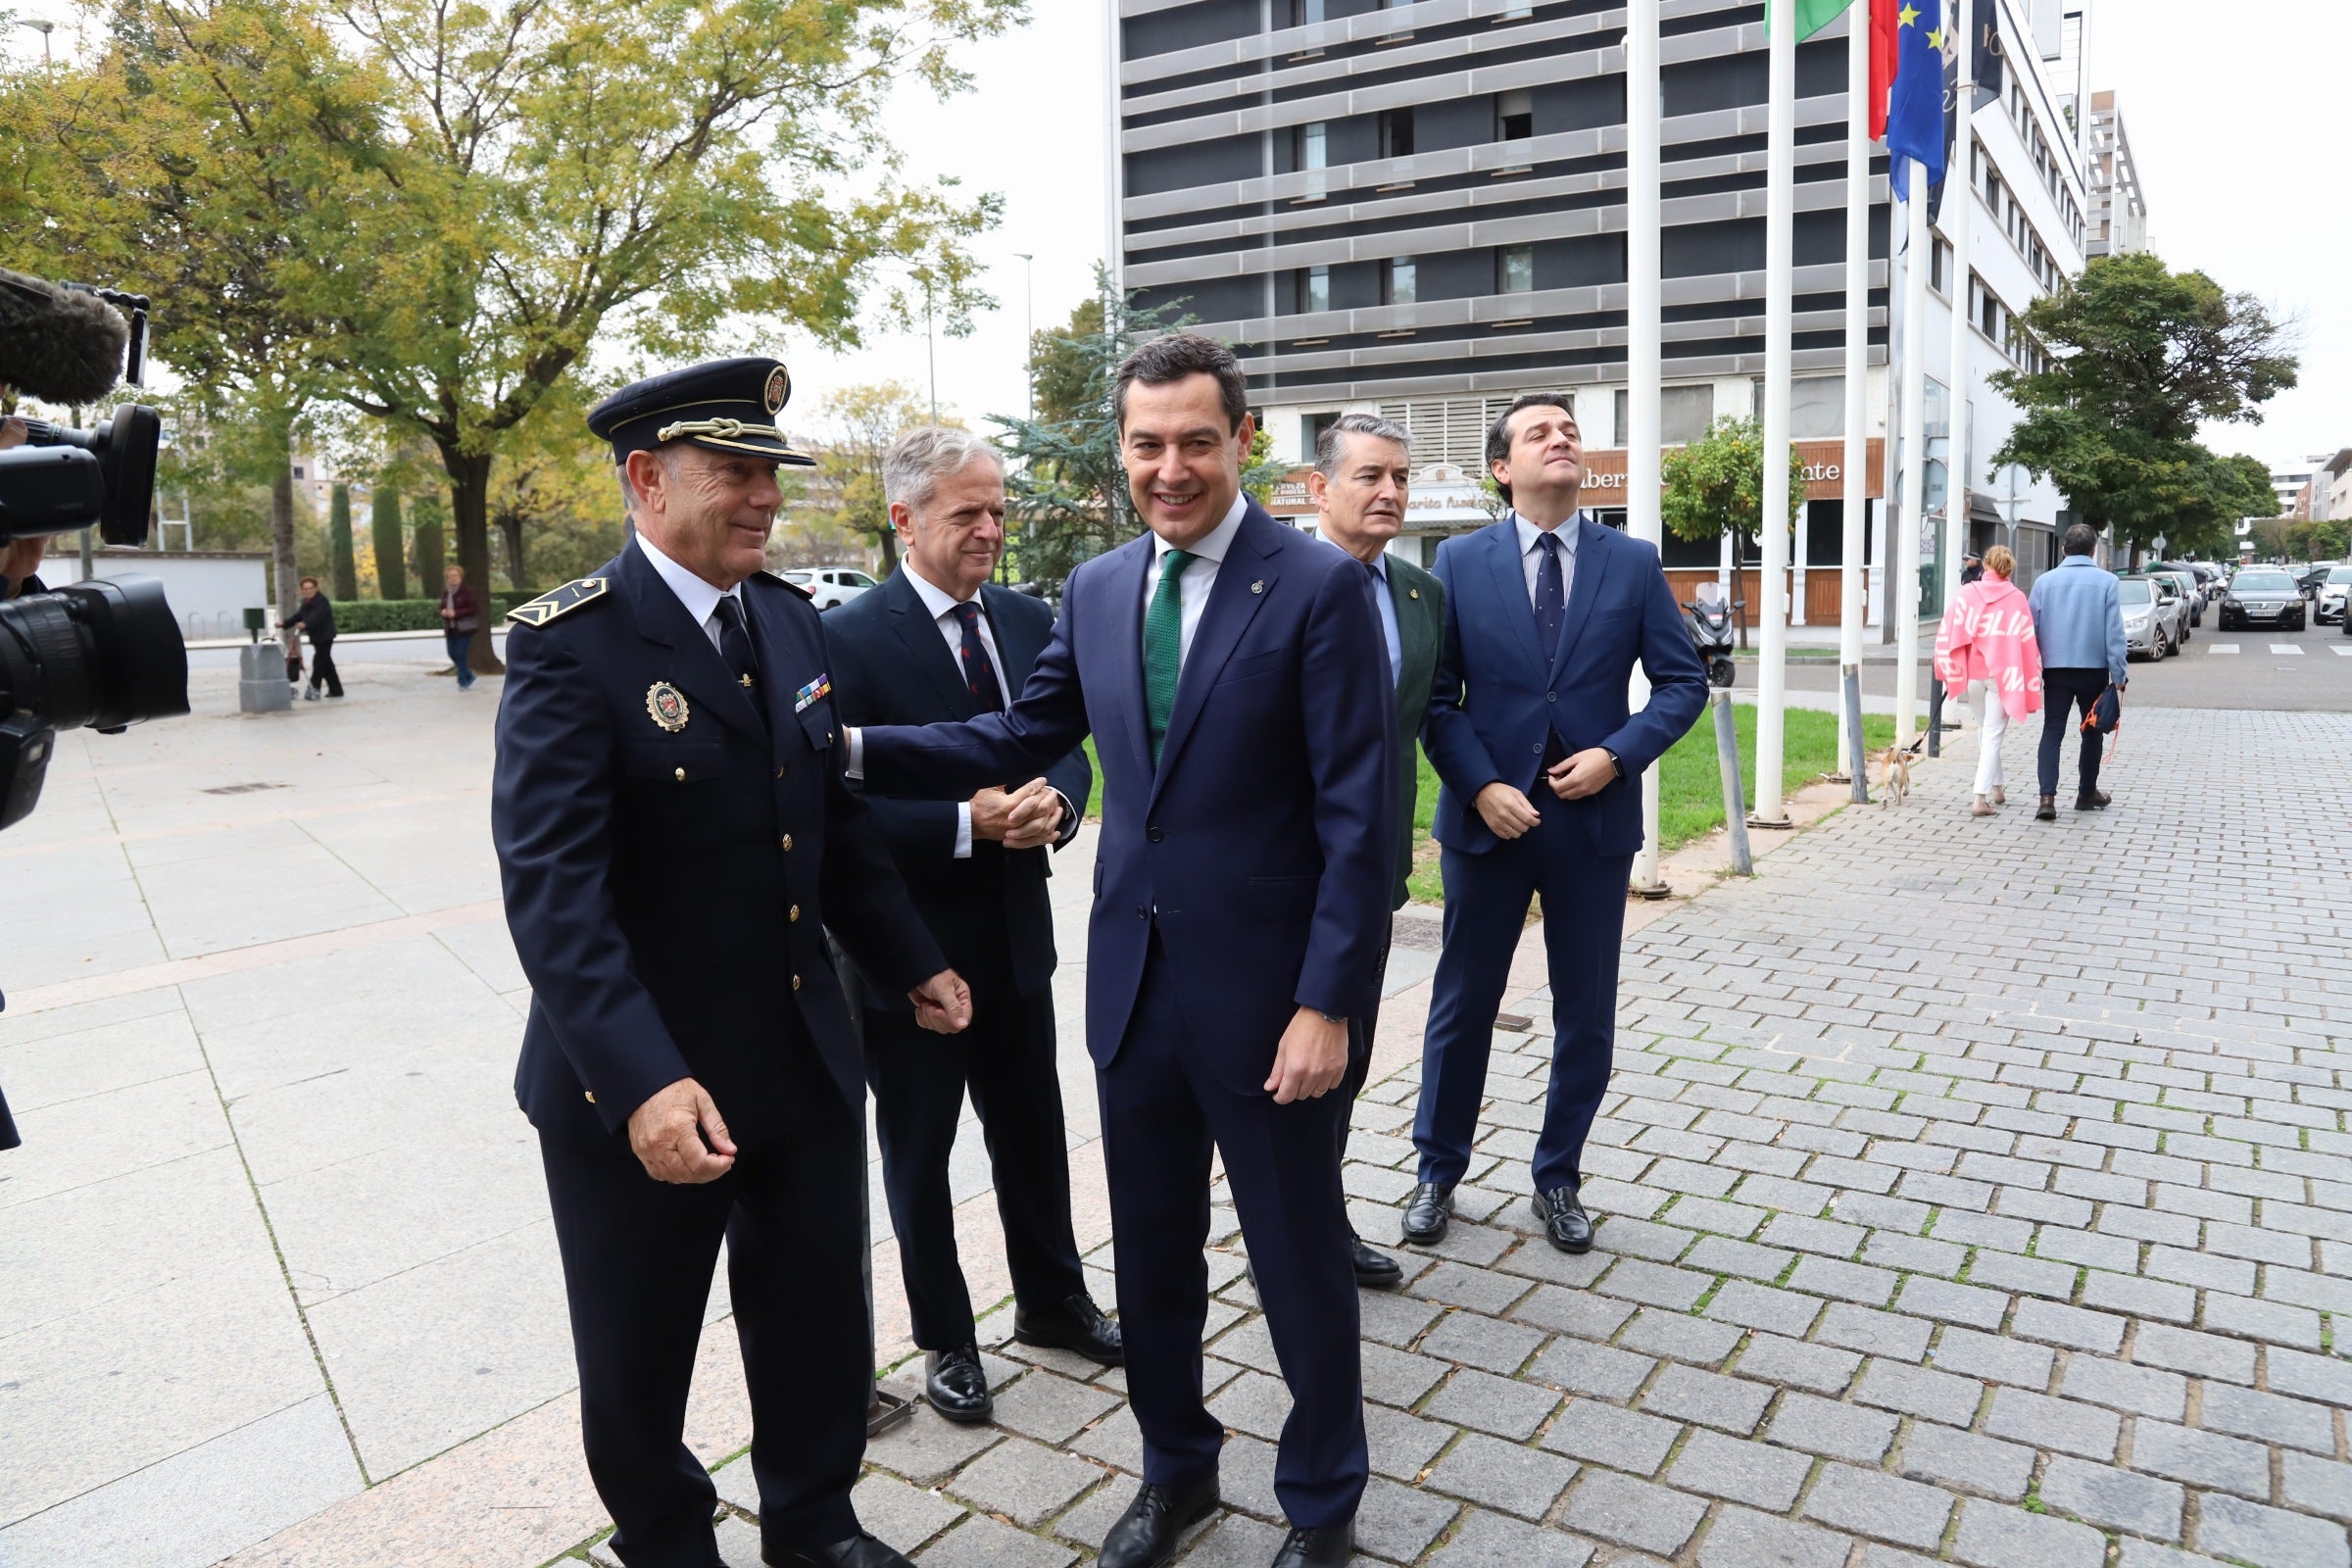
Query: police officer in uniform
(673,837)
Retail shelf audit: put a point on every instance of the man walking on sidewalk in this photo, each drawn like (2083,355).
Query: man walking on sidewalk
(2079,623)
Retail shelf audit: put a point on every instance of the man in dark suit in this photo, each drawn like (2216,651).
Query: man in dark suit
(1540,762)
(1362,475)
(938,642)
(673,837)
(1230,672)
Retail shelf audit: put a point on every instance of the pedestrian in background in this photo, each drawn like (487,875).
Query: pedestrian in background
(317,615)
(2079,621)
(1988,643)
(461,618)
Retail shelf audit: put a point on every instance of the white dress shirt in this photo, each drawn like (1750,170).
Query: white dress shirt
(1531,557)
(942,607)
(1199,576)
(699,597)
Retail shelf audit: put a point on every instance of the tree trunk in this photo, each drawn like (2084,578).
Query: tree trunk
(890,551)
(510,529)
(281,531)
(469,503)
(383,530)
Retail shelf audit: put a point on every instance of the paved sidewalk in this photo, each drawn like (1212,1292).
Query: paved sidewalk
(1977,1191)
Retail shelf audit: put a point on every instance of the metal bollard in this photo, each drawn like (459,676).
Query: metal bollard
(1735,805)
(1936,716)
(1858,763)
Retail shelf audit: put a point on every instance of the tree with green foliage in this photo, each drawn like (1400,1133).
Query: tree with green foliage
(383,531)
(342,567)
(2321,538)
(860,423)
(428,549)
(1715,485)
(2140,356)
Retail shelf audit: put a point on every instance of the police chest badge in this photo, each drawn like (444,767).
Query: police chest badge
(668,706)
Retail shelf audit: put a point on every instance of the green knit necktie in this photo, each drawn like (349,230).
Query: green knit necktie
(1163,646)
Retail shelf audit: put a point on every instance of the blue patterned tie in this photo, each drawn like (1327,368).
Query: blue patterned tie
(1552,602)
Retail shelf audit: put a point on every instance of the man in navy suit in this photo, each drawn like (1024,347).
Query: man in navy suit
(1540,764)
(1234,676)
(939,642)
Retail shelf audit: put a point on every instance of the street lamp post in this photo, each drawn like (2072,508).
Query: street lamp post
(45,29)
(930,346)
(1028,332)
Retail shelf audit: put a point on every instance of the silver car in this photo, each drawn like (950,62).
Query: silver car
(2328,604)
(2154,616)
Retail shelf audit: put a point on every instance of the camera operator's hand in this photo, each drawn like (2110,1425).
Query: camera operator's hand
(18,561)
(12,433)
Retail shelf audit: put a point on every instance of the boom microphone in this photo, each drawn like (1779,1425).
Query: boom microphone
(56,344)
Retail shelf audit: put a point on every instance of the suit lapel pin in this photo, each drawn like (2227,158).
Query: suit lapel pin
(668,706)
(1258,587)
(1412,593)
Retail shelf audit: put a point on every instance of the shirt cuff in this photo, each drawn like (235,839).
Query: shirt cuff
(1070,820)
(855,736)
(963,830)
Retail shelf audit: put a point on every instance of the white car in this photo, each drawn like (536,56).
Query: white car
(2328,602)
(830,586)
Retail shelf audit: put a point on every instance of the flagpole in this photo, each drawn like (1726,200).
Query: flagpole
(1959,209)
(1857,355)
(1645,351)
(1904,602)
(1779,229)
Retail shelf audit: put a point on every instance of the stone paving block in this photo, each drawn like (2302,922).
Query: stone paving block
(2271,1538)
(2322,1486)
(1744,1260)
(1393,1318)
(1508,1409)
(2268,1418)
(2139,1296)
(2206,1271)
(2069,1326)
(2207,1356)
(2064,1425)
(1401,1442)
(2092,1248)
(1709,1398)
(1741,1537)
(1760,1307)
(1680,1335)
(1582,1367)
(1913,1255)
(1400,1522)
(1871,1502)
(1495,1541)
(1983,1230)
(1091,1520)
(2138,1554)
(1049,1408)
(1933,1396)
(1399,1377)
(1115,1440)
(1023,1482)
(1950,1302)
(1481,1342)
(1993,1359)
(1625,1440)
(926,1448)
(902,1516)
(2202,1458)
(1967,1461)
(2327,1378)
(1640,1237)
(2273,1321)
(1826,1237)
(2104,1495)
(1769,1358)
(1631,1513)
(1233,1541)
(1831,1428)
(1570,1311)
(1654,1284)
(1481,1290)
(1720,1219)
(1252,1403)
(1884,1334)
(2141,1390)
(1739,1471)
(1995,1537)
(1509,1476)
(984,1542)
(2036,1276)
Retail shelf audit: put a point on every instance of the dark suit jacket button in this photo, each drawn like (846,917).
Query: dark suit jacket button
(1156,834)
(1141,913)
(1551,696)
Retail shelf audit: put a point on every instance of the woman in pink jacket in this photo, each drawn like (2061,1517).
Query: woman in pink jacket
(1987,640)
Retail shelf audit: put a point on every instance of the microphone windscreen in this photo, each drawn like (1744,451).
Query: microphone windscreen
(59,345)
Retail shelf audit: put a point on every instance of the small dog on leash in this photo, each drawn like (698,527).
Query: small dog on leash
(1894,772)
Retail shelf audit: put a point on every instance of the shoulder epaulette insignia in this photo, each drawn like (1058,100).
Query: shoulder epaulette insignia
(559,602)
(784,582)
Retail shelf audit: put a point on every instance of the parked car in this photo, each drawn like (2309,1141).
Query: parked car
(2191,596)
(2154,616)
(2263,596)
(2210,577)
(830,586)
(2329,605)
(2314,575)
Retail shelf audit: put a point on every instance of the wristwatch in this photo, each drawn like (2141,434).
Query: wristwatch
(1615,762)
(1327,1017)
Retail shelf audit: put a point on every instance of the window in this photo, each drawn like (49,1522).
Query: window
(1816,407)
(1311,430)
(1305,13)
(1515,270)
(1514,114)
(1621,414)
(1310,145)
(1684,413)
(1396,134)
(1399,281)
(298,470)
(1939,266)
(1315,289)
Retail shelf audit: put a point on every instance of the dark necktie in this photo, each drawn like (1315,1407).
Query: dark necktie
(978,673)
(735,648)
(1163,646)
(1551,613)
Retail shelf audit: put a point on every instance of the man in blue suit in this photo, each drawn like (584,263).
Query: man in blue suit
(1234,676)
(1539,763)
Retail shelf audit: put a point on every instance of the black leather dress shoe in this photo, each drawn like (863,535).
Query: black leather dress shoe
(2093,801)
(860,1550)
(1079,1325)
(1375,1271)
(1145,1534)
(1325,1546)
(1427,1213)
(1565,1220)
(957,1385)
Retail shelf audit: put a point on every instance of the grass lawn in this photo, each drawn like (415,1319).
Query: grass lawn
(1690,787)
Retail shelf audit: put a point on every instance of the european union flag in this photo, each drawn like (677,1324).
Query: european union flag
(1915,107)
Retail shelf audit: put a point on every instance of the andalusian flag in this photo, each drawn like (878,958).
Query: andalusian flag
(1915,107)
(1814,15)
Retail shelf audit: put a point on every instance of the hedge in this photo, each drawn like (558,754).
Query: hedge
(413,614)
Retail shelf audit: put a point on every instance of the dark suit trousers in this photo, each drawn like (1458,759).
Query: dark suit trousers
(1162,1109)
(2064,693)
(1584,927)
(638,1256)
(1360,1035)
(1005,1058)
(322,668)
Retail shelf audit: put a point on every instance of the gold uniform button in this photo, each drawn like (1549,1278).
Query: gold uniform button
(796,982)
(779,772)
(591,1096)
(796,912)
(681,775)
(787,844)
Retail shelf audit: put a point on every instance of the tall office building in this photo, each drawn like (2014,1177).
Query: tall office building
(2118,223)
(1419,210)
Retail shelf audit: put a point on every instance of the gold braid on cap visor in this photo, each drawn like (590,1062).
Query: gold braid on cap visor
(725,429)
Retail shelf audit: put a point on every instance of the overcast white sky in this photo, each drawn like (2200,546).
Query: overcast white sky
(2231,110)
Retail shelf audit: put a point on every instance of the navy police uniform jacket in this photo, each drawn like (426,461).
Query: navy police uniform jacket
(669,861)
